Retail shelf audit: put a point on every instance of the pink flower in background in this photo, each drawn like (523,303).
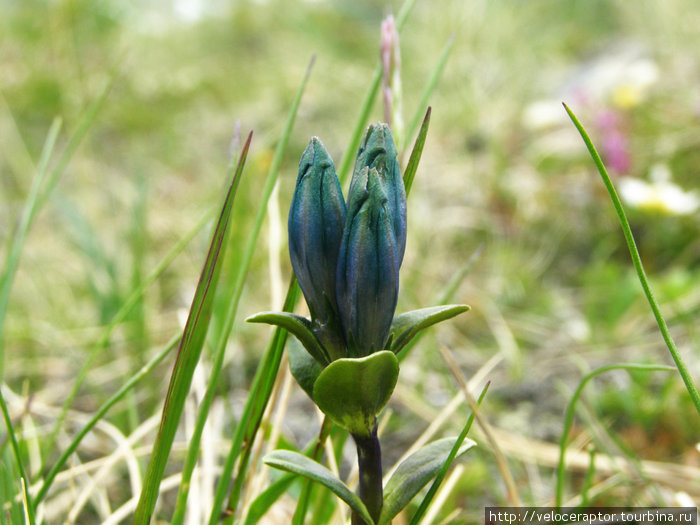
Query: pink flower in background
(614,143)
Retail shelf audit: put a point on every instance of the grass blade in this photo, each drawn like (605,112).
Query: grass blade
(448,462)
(267,498)
(29,508)
(248,425)
(445,296)
(430,87)
(637,261)
(120,316)
(343,169)
(305,496)
(31,207)
(416,153)
(220,347)
(30,210)
(569,417)
(189,351)
(99,414)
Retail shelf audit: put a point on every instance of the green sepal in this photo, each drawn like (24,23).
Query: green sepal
(406,326)
(296,325)
(305,369)
(414,473)
(352,391)
(290,461)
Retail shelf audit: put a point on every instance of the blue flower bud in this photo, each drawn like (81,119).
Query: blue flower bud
(379,151)
(316,221)
(368,265)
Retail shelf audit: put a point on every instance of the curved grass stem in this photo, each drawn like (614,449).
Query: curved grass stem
(637,261)
(569,417)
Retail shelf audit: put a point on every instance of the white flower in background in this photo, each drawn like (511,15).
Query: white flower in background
(620,78)
(661,194)
(544,114)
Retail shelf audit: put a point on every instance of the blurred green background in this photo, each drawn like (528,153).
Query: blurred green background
(553,292)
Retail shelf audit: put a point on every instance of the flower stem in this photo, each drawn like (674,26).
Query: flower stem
(369,459)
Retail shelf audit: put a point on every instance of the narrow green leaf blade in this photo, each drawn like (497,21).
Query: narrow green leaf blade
(414,473)
(406,326)
(296,325)
(189,351)
(571,407)
(30,210)
(299,464)
(262,380)
(430,86)
(352,391)
(267,498)
(442,472)
(638,266)
(416,153)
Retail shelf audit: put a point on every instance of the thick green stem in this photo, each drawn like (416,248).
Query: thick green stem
(369,459)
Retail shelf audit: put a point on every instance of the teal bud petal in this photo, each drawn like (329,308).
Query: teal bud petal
(368,266)
(316,221)
(378,151)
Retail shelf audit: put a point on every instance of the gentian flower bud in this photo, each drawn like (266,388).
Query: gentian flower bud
(368,265)
(379,151)
(316,220)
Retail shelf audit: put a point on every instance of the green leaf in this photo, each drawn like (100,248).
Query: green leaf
(416,153)
(430,86)
(304,368)
(264,501)
(413,473)
(299,464)
(406,326)
(189,350)
(442,472)
(637,262)
(262,386)
(353,391)
(296,325)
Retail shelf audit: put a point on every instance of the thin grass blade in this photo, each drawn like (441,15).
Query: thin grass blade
(220,346)
(343,169)
(637,261)
(30,210)
(430,86)
(445,296)
(268,497)
(11,262)
(29,508)
(99,414)
(416,153)
(305,496)
(77,138)
(189,351)
(571,408)
(427,500)
(121,315)
(248,425)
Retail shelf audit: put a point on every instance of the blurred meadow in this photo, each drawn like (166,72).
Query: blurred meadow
(506,205)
